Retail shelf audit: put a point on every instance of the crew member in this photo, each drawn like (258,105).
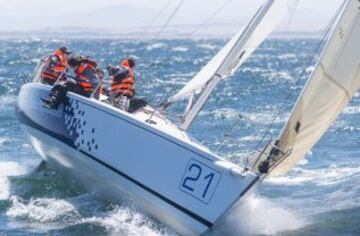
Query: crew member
(87,76)
(85,82)
(56,66)
(123,86)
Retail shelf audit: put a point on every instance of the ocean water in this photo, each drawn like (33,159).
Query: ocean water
(321,196)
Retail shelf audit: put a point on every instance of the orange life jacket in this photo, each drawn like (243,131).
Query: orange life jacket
(62,65)
(83,79)
(124,86)
(51,71)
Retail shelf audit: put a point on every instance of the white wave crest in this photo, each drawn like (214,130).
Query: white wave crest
(255,215)
(180,49)
(225,113)
(4,140)
(7,100)
(4,189)
(327,176)
(127,221)
(10,168)
(207,46)
(287,56)
(43,210)
(155,46)
(352,110)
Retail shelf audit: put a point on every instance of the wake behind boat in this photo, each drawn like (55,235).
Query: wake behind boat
(144,158)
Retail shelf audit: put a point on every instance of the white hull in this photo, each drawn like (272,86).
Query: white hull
(155,166)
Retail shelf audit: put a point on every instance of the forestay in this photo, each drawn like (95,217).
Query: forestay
(240,47)
(331,86)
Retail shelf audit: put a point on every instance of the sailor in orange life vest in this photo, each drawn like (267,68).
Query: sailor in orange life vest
(85,82)
(122,83)
(56,66)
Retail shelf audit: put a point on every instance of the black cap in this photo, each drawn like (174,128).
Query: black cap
(73,61)
(66,50)
(131,61)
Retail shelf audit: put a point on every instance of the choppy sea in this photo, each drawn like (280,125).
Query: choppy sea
(320,196)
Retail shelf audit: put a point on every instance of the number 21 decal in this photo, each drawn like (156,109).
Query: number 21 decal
(200,181)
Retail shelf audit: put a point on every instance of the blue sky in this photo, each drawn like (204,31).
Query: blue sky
(110,14)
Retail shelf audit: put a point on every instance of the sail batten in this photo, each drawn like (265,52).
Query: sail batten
(332,84)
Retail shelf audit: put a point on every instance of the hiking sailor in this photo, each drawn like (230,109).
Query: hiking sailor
(85,82)
(123,86)
(56,66)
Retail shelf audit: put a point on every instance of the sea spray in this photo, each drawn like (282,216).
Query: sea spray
(8,168)
(255,215)
(4,189)
(42,210)
(124,220)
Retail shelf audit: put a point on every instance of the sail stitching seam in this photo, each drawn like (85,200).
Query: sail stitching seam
(334,81)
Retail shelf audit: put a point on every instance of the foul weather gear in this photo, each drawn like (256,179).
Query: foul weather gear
(55,68)
(122,80)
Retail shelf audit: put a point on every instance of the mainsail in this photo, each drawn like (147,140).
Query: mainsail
(235,52)
(331,86)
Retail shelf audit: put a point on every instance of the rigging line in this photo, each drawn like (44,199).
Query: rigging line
(306,65)
(227,135)
(286,31)
(145,28)
(168,20)
(209,18)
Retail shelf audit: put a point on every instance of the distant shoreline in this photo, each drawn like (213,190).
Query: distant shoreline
(105,34)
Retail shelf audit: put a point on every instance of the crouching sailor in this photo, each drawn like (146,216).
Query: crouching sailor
(123,86)
(56,66)
(85,82)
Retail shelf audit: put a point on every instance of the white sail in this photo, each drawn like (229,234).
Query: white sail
(240,47)
(333,83)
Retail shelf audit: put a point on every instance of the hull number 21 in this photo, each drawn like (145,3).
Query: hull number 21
(200,181)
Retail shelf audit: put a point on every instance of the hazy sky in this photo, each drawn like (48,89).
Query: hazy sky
(38,14)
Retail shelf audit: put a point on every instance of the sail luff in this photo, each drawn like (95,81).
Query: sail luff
(334,81)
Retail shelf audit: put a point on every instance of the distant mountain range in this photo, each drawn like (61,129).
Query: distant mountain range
(125,22)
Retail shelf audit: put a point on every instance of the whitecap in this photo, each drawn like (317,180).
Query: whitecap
(43,210)
(5,188)
(321,177)
(35,60)
(287,56)
(310,69)
(254,70)
(35,39)
(155,46)
(10,168)
(57,41)
(180,49)
(6,100)
(352,110)
(225,113)
(127,221)
(207,46)
(266,117)
(4,140)
(255,215)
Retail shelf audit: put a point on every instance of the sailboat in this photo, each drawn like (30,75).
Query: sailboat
(145,159)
